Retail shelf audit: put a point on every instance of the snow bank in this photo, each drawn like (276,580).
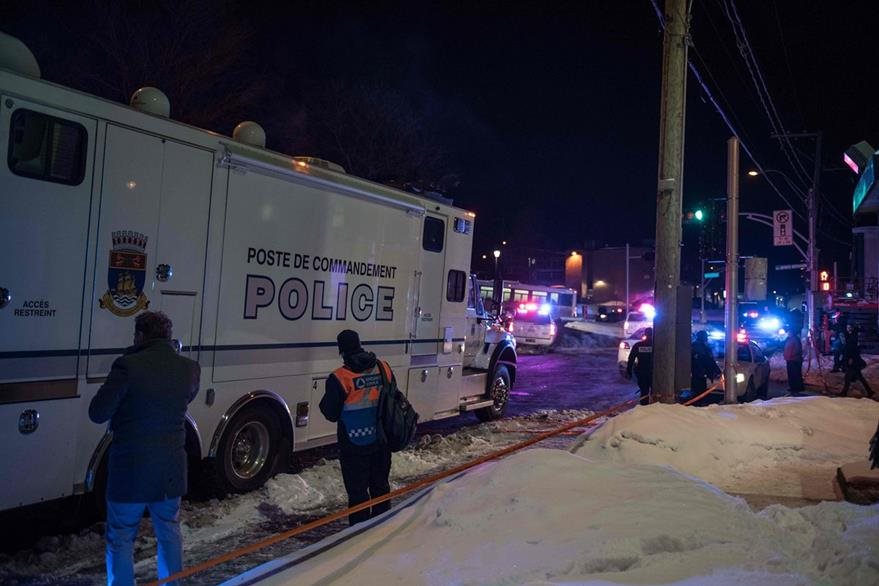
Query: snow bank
(549,516)
(783,447)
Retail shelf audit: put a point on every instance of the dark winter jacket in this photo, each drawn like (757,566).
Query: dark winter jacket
(145,398)
(793,349)
(641,359)
(333,401)
(703,363)
(851,354)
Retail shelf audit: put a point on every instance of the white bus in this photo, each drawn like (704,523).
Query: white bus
(562,300)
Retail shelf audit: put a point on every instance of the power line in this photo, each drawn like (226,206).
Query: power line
(790,72)
(759,81)
(726,119)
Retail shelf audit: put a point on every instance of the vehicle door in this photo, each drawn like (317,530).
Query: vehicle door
(151,239)
(46,162)
(745,362)
(430,287)
(476,322)
(761,366)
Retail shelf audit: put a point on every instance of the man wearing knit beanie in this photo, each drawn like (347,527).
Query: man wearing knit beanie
(351,401)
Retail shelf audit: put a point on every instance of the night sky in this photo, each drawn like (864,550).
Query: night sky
(547,113)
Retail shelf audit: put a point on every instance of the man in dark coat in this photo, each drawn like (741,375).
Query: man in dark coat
(351,400)
(641,362)
(145,398)
(853,363)
(703,364)
(793,356)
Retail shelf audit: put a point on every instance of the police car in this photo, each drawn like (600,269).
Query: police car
(534,325)
(625,348)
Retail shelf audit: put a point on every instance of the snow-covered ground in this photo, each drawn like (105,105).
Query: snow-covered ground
(613,330)
(631,505)
(210,528)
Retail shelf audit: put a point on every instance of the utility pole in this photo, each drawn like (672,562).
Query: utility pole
(627,281)
(732,270)
(812,216)
(669,196)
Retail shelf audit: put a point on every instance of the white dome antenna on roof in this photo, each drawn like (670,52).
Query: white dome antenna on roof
(15,56)
(152,101)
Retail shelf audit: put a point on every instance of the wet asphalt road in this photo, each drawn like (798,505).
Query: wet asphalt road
(561,379)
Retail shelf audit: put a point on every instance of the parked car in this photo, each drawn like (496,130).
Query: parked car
(752,366)
(752,370)
(533,325)
(635,321)
(625,349)
(610,313)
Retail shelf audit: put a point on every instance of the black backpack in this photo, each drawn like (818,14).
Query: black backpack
(396,415)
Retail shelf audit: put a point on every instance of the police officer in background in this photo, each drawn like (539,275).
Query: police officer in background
(351,400)
(703,364)
(641,361)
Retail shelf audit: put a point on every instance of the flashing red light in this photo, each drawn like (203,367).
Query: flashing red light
(753,314)
(742,336)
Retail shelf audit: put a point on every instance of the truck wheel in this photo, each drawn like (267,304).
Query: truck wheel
(499,393)
(248,451)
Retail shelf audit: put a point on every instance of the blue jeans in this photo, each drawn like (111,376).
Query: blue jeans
(123,520)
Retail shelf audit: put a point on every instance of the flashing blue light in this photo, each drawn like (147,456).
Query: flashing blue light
(544,309)
(716,335)
(849,294)
(769,324)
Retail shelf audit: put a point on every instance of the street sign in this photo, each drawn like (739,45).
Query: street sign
(783,227)
(712,275)
(790,267)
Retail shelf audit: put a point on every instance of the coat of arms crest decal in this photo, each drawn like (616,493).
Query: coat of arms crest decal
(126,274)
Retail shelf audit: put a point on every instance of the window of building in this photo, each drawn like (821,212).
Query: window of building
(434,231)
(47,148)
(456,286)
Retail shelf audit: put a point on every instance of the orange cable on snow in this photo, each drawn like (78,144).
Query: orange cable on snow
(236,553)
(707,392)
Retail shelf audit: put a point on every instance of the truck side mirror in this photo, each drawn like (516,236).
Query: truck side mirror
(497,294)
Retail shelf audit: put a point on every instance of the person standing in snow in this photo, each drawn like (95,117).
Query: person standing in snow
(853,363)
(703,364)
(145,398)
(641,362)
(793,356)
(351,401)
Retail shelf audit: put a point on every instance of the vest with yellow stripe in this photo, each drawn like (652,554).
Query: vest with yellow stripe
(360,409)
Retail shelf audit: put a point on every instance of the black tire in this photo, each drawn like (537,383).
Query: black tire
(750,392)
(499,391)
(248,453)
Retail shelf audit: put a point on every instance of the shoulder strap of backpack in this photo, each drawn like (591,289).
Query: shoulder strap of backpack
(385,372)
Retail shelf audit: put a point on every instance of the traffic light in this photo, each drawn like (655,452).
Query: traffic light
(695,215)
(824,277)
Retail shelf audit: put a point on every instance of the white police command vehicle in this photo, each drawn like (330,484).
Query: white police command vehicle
(259,258)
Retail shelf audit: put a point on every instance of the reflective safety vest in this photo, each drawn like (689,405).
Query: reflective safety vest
(360,409)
